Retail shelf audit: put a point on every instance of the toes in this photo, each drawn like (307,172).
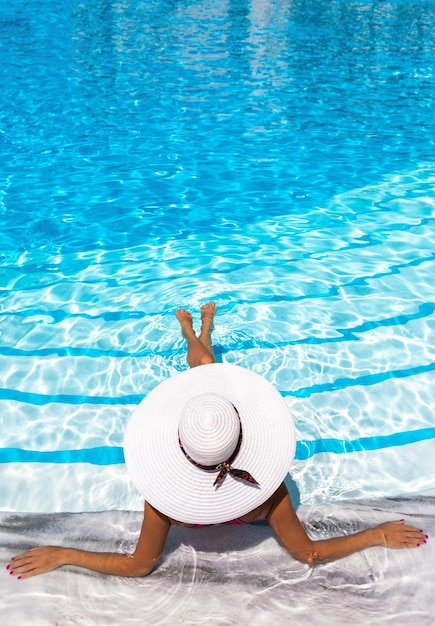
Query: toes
(183,314)
(208,310)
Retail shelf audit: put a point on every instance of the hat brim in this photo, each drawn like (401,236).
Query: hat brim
(178,489)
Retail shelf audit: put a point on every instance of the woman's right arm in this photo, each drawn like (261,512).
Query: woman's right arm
(291,534)
(148,550)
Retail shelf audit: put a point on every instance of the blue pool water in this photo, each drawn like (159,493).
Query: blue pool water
(276,157)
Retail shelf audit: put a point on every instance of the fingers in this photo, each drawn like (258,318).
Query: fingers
(414,536)
(34,561)
(22,566)
(18,565)
(412,539)
(399,535)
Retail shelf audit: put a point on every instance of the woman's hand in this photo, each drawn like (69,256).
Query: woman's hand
(36,561)
(399,535)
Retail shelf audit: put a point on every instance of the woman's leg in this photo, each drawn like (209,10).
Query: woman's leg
(199,350)
(207,316)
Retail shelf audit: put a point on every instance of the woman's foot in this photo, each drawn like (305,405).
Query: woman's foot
(207,316)
(186,323)
(198,353)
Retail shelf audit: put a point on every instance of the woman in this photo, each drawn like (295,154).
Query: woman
(211,445)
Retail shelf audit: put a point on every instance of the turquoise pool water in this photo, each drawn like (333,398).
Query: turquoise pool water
(277,157)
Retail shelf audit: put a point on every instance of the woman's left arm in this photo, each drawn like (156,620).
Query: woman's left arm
(148,550)
(292,536)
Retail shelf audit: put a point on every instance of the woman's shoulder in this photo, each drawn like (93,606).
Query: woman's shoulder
(263,511)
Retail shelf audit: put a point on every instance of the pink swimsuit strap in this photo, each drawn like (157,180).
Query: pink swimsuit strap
(236,522)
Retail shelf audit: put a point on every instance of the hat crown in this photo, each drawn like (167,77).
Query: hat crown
(209,429)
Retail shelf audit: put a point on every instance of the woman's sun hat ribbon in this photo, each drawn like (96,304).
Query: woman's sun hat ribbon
(210,444)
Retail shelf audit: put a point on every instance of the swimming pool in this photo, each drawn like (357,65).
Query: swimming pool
(277,157)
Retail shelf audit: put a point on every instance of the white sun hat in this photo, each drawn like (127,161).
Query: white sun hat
(210,444)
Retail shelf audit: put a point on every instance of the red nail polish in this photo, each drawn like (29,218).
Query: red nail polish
(418,545)
(426,536)
(13,558)
(8,566)
(11,572)
(19,578)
